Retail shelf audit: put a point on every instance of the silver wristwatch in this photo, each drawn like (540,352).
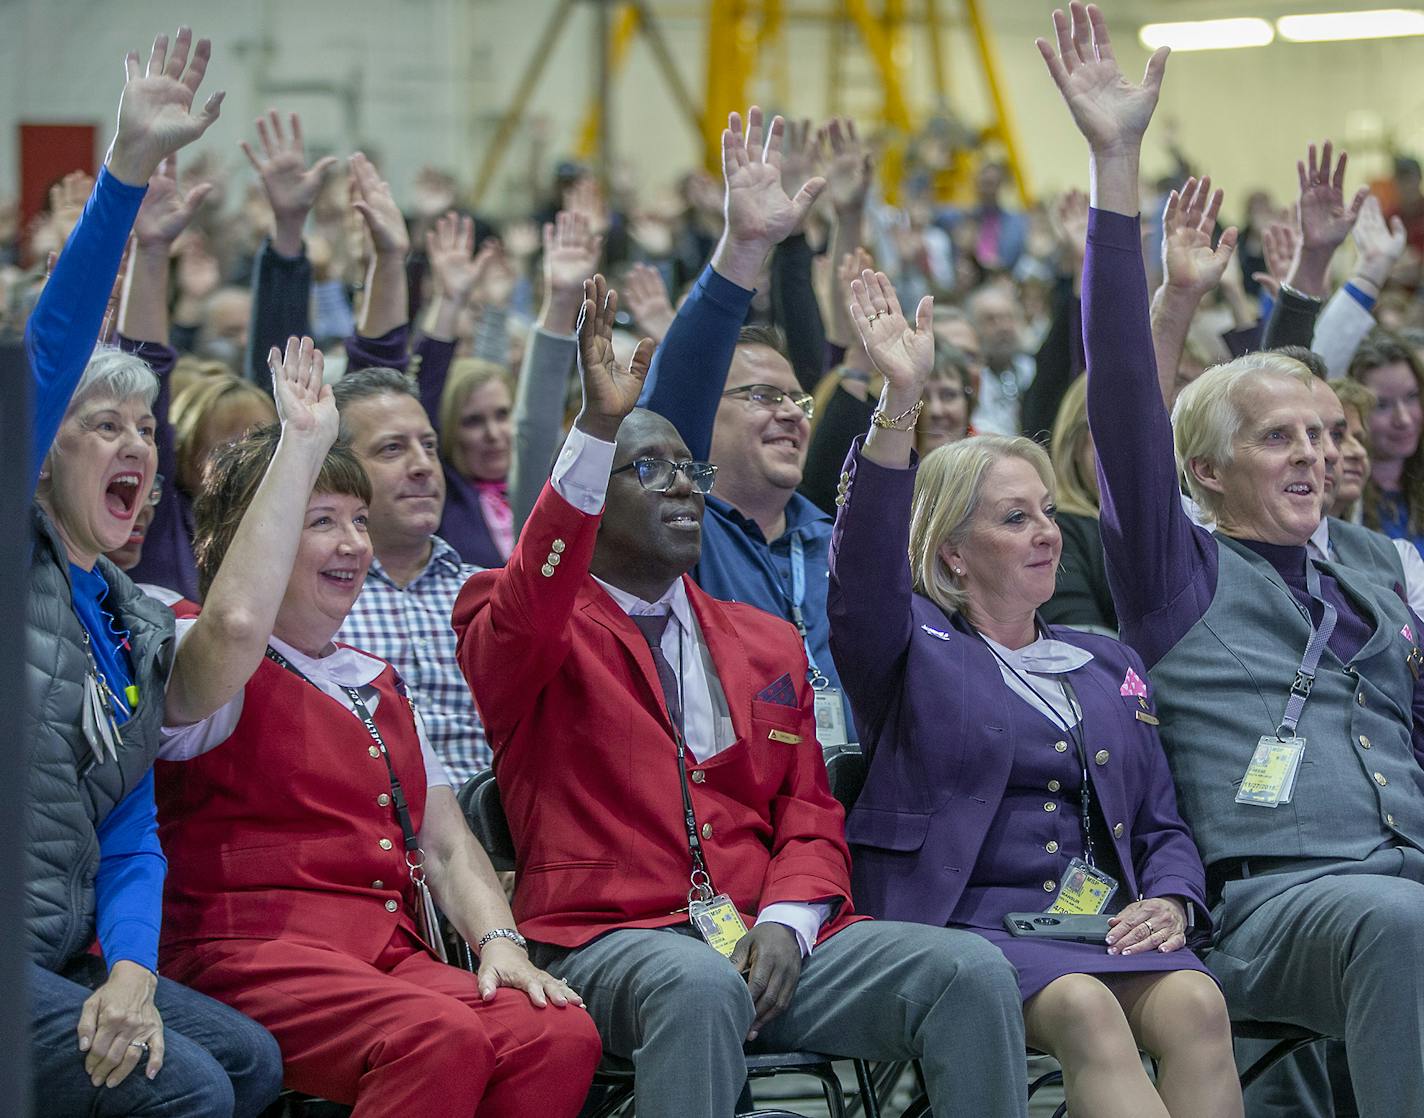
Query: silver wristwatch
(502,933)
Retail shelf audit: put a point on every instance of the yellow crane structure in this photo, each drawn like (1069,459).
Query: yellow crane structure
(744,37)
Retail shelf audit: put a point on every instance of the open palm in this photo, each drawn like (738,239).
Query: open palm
(305,404)
(156,111)
(166,211)
(757,205)
(902,353)
(610,391)
(1108,109)
(1189,261)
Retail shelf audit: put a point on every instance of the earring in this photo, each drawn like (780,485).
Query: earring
(958,573)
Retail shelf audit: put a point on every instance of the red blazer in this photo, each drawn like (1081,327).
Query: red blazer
(586,761)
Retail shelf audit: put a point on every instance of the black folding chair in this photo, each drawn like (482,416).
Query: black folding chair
(479,799)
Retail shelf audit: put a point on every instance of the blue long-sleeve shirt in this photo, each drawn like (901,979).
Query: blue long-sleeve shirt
(59,339)
(685,385)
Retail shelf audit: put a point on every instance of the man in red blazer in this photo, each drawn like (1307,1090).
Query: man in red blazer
(656,747)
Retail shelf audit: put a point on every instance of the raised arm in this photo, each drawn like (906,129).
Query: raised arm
(227,642)
(1348,317)
(868,600)
(511,625)
(1152,551)
(690,366)
(645,291)
(282,278)
(850,170)
(456,269)
(156,118)
(164,214)
(794,306)
(1190,269)
(1324,217)
(387,304)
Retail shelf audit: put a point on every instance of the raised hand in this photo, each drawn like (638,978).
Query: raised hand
(371,198)
(903,354)
(305,405)
(647,297)
(449,249)
(759,212)
(1069,215)
(1378,245)
(1110,112)
(800,156)
(1278,246)
(66,203)
(571,248)
(1324,217)
(610,391)
(291,186)
(1189,263)
(156,115)
(165,211)
(850,168)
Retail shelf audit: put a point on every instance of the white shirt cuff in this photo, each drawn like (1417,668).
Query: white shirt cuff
(581,473)
(803,919)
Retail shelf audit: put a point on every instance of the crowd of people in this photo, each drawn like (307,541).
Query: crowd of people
(1106,561)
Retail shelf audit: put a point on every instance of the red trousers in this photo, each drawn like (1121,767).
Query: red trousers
(403,1035)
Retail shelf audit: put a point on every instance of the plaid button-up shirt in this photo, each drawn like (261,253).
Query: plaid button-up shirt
(409,628)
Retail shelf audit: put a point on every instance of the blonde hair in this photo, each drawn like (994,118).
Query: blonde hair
(467,375)
(1076,493)
(1358,398)
(195,405)
(1207,416)
(948,491)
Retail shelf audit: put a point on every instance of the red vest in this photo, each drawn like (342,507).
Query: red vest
(281,833)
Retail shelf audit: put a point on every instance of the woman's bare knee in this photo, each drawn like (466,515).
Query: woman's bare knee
(1076,1017)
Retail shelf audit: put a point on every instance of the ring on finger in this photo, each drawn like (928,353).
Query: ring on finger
(142,1046)
(1148,925)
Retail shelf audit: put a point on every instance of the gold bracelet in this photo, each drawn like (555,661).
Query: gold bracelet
(905,421)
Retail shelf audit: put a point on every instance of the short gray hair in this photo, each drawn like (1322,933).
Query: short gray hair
(1207,416)
(113,374)
(367,384)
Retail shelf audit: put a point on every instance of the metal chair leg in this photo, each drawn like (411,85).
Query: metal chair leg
(1277,1051)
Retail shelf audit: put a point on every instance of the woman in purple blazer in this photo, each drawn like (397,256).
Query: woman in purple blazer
(1013,766)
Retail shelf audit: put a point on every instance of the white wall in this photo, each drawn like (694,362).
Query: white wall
(430,78)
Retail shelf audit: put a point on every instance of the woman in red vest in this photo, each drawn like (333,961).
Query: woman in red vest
(302,810)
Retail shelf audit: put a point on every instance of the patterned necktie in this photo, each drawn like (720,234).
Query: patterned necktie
(652,626)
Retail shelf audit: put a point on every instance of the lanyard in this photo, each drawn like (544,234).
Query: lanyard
(817,678)
(1305,675)
(1085,792)
(414,856)
(700,879)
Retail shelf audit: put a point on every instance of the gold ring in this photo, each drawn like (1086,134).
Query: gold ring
(1148,925)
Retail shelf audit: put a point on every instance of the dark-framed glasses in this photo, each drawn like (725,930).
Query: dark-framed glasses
(657,474)
(769,396)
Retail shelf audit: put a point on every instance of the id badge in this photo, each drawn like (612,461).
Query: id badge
(1083,890)
(718,922)
(830,718)
(1270,777)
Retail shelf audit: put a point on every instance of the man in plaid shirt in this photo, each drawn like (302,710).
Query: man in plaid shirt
(403,612)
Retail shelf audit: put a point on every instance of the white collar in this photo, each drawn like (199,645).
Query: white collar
(1321,537)
(674,601)
(345,667)
(1044,656)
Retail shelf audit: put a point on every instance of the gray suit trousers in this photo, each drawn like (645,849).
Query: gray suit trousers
(1342,954)
(877,989)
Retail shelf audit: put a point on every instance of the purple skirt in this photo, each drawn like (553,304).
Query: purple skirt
(1040,961)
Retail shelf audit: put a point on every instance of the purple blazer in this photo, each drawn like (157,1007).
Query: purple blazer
(938,726)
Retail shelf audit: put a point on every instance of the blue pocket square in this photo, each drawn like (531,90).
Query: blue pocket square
(782,693)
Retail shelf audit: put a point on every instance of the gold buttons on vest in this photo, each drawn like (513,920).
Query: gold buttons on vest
(384,799)
(1050,806)
(707,830)
(1049,886)
(373,750)
(1380,780)
(1101,757)
(1364,742)
(698,776)
(553,559)
(1061,746)
(557,547)
(1118,830)
(378,884)
(1053,786)
(385,844)
(391,906)
(1051,846)
(547,571)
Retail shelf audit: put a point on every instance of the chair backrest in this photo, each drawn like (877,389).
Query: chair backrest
(479,799)
(845,769)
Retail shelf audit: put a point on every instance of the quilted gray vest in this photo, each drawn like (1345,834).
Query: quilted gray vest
(1225,684)
(70,793)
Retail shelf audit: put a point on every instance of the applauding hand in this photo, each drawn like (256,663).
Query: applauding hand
(610,391)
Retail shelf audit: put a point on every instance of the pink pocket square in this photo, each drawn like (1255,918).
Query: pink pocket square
(1132,685)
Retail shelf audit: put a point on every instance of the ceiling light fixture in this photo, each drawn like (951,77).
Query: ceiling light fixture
(1207,34)
(1334,27)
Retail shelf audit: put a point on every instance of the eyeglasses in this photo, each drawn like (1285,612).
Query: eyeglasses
(769,396)
(656,475)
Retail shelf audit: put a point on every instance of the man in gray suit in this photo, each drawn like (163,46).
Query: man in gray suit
(1288,688)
